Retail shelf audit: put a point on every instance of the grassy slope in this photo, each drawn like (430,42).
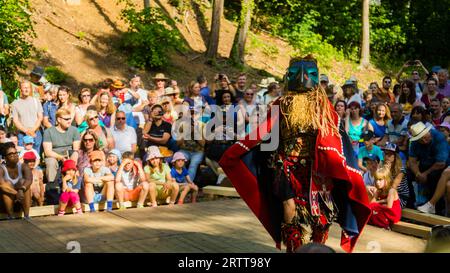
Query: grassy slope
(81,41)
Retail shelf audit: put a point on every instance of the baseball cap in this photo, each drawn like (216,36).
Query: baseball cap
(69,164)
(28,140)
(29,156)
(367,135)
(390,147)
(372,157)
(323,78)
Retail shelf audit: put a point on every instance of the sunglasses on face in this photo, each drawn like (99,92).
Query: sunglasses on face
(387,81)
(88,140)
(120,118)
(66,119)
(249,94)
(85,96)
(91,119)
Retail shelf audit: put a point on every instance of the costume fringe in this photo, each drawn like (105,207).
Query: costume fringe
(308,111)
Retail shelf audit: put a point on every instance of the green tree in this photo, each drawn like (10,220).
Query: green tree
(16,31)
(238,48)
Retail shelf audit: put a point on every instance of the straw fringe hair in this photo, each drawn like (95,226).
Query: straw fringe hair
(309,110)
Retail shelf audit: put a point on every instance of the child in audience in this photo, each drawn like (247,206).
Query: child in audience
(70,188)
(98,181)
(368,149)
(131,184)
(28,142)
(385,203)
(113,161)
(372,162)
(159,172)
(181,175)
(37,186)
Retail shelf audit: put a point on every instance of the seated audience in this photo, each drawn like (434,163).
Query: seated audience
(70,188)
(181,175)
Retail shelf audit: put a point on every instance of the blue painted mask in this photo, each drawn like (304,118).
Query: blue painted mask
(302,75)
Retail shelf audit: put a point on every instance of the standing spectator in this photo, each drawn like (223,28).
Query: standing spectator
(152,100)
(15,140)
(263,89)
(385,203)
(113,161)
(37,76)
(105,138)
(443,83)
(70,188)
(84,101)
(61,142)
(384,94)
(156,131)
(397,129)
(181,175)
(368,149)
(64,101)
(125,138)
(160,82)
(15,189)
(394,164)
(379,123)
(27,116)
(136,88)
(50,107)
(351,93)
(432,92)
(4,106)
(323,79)
(407,97)
(106,109)
(98,181)
(221,84)
(273,92)
(159,173)
(415,76)
(131,184)
(240,86)
(436,112)
(204,90)
(341,108)
(428,156)
(355,125)
(117,93)
(194,99)
(37,186)
(249,110)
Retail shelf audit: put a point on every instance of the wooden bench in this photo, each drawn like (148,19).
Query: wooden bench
(430,219)
(212,191)
(412,229)
(53,209)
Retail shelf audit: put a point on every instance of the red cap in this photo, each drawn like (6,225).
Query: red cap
(29,156)
(69,165)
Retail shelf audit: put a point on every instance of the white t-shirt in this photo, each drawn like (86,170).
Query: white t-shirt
(129,180)
(124,139)
(369,180)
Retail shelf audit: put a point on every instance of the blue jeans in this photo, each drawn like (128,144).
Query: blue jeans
(37,140)
(195,159)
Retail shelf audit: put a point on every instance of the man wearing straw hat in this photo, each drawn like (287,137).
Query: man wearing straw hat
(429,155)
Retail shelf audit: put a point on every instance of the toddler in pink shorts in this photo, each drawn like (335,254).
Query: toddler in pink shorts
(70,188)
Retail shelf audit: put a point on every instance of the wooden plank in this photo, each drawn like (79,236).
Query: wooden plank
(412,229)
(53,209)
(223,191)
(426,218)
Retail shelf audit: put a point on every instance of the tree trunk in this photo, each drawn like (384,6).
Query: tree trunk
(213,44)
(238,49)
(146,3)
(365,44)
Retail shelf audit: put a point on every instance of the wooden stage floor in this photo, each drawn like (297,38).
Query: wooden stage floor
(220,226)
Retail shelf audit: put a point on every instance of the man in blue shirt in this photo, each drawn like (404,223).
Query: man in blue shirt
(429,156)
(50,107)
(204,90)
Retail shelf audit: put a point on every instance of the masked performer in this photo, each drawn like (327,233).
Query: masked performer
(311,178)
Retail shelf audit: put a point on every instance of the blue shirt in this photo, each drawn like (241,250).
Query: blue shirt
(378,130)
(204,92)
(428,154)
(50,109)
(363,152)
(72,186)
(179,177)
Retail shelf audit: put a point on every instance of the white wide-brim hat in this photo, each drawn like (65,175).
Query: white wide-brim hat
(418,130)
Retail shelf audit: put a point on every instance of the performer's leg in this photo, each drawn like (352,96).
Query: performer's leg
(320,233)
(289,210)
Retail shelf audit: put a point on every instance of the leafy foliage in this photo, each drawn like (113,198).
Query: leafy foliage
(15,30)
(150,36)
(55,75)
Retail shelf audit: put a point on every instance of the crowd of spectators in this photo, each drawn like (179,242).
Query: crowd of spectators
(123,142)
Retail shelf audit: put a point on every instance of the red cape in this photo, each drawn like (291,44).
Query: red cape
(330,161)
